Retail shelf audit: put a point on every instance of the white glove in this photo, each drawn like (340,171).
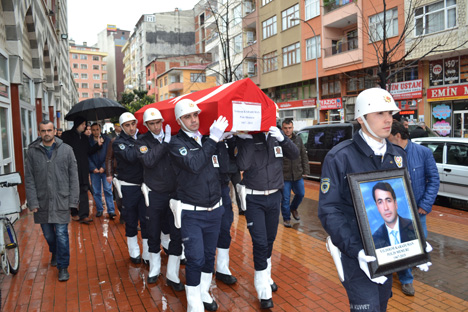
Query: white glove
(428,247)
(244,136)
(217,128)
(276,133)
(425,266)
(363,261)
(167,134)
(227,135)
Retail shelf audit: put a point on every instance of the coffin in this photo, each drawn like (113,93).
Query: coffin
(244,105)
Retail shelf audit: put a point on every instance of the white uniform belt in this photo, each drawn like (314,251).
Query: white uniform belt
(255,192)
(199,208)
(128,183)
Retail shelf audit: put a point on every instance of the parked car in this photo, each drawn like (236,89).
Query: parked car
(319,139)
(451,156)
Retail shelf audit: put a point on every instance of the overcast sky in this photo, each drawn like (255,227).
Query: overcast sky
(86,18)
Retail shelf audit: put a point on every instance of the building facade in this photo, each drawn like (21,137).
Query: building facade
(35,77)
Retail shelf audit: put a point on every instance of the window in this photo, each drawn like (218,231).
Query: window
(95,58)
(265,2)
(352,40)
(75,65)
(292,54)
(197,77)
(96,86)
(84,94)
(84,76)
(436,17)
(165,81)
(104,67)
(104,76)
(269,27)
(75,56)
(84,66)
(312,48)
(312,9)
(104,86)
(287,16)
(83,57)
(76,75)
(84,86)
(96,95)
(95,67)
(270,62)
(96,77)
(237,13)
(238,44)
(376,23)
(252,68)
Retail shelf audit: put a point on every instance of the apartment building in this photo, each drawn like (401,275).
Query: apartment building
(89,67)
(35,77)
(182,80)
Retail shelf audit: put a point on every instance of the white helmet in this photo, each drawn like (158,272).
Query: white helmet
(126,117)
(184,107)
(374,100)
(152,114)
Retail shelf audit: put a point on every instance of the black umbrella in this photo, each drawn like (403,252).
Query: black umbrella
(96,109)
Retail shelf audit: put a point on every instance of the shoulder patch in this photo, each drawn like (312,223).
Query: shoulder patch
(122,146)
(183,151)
(143,149)
(325,185)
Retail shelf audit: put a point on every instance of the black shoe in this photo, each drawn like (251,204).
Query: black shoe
(266,303)
(145,261)
(136,260)
(53,261)
(176,286)
(111,215)
(274,287)
(63,275)
(98,214)
(295,214)
(183,261)
(86,220)
(153,279)
(241,212)
(211,306)
(226,279)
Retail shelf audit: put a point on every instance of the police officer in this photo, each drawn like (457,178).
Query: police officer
(369,150)
(130,174)
(224,241)
(159,177)
(199,191)
(260,156)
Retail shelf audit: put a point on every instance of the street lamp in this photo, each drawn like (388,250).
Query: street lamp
(316,64)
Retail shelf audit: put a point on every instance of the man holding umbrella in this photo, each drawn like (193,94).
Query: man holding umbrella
(82,149)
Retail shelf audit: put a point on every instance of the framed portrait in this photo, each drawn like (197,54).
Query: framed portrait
(388,220)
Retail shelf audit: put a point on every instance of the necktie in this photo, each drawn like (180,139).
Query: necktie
(395,235)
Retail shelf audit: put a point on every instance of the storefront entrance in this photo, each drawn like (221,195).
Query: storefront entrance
(460,127)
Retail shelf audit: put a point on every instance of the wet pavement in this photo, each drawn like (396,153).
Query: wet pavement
(103,279)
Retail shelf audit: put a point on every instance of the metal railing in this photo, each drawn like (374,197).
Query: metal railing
(341,47)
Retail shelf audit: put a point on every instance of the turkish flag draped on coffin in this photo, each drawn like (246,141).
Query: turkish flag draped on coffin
(244,105)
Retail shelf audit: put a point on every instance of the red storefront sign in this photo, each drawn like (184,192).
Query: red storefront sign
(406,89)
(331,104)
(448,93)
(296,104)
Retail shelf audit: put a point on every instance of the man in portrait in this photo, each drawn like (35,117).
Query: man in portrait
(395,229)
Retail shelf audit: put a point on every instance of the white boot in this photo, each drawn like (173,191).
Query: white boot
(165,239)
(273,285)
(222,261)
(205,283)
(133,247)
(194,302)
(145,255)
(155,266)
(173,265)
(262,285)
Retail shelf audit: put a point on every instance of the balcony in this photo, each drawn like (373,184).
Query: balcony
(331,5)
(176,86)
(341,46)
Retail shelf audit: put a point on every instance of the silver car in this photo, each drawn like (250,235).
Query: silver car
(451,156)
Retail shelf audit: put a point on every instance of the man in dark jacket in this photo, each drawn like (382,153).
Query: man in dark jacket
(419,131)
(82,149)
(293,170)
(51,180)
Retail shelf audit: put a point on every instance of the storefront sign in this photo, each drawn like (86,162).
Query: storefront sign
(331,104)
(436,73)
(464,69)
(406,89)
(451,72)
(408,112)
(441,111)
(442,127)
(448,93)
(296,104)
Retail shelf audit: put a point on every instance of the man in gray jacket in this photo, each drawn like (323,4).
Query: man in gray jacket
(52,189)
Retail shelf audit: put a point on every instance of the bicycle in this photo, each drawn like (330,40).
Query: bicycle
(9,213)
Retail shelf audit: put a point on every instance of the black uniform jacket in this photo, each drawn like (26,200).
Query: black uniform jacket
(126,152)
(159,175)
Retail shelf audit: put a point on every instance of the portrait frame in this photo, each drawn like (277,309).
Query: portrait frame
(409,249)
